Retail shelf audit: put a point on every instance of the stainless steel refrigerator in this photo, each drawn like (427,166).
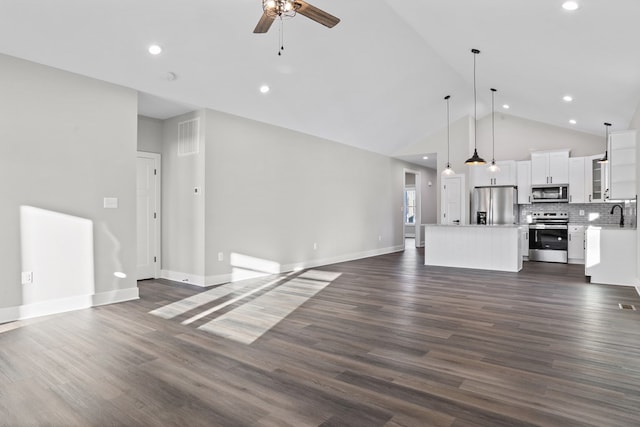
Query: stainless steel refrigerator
(494,205)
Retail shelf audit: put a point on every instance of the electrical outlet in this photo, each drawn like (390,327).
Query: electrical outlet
(27,277)
(315,246)
(581,212)
(379,238)
(220,256)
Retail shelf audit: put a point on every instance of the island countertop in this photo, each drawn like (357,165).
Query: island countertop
(477,225)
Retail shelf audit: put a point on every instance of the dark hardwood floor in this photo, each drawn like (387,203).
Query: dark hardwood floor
(387,342)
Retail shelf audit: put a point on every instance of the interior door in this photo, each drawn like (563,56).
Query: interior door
(452,200)
(148,222)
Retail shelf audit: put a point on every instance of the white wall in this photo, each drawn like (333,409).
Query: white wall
(150,135)
(272,193)
(429,211)
(183,210)
(516,138)
(67,142)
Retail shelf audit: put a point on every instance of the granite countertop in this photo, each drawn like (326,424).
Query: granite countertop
(610,227)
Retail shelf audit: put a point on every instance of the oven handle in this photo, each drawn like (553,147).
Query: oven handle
(549,227)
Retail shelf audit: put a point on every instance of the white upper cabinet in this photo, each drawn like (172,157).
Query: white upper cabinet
(550,167)
(577,180)
(481,177)
(597,179)
(622,165)
(524,182)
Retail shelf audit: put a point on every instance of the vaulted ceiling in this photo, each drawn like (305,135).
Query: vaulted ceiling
(375,81)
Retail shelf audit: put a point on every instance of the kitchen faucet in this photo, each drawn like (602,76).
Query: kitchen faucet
(621,214)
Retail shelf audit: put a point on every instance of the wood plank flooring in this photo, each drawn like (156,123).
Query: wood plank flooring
(387,342)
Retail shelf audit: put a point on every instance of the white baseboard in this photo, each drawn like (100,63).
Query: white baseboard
(62,305)
(341,258)
(191,279)
(226,278)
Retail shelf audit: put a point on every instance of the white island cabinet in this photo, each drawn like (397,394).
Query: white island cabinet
(485,247)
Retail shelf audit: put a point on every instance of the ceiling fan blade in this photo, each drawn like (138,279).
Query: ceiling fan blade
(264,24)
(316,14)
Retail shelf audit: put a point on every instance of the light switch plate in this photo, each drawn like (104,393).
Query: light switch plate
(110,203)
(27,277)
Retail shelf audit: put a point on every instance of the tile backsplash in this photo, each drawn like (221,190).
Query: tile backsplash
(592,213)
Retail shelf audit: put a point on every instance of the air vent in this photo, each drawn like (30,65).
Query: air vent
(627,307)
(188,137)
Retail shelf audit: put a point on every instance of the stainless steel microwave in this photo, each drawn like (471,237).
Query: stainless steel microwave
(550,193)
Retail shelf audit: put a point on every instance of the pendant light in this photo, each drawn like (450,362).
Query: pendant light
(475,159)
(448,170)
(493,168)
(605,159)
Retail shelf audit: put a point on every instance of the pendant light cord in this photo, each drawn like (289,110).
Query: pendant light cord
(493,127)
(448,160)
(475,104)
(281,37)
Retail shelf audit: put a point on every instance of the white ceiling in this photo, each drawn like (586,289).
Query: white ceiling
(375,81)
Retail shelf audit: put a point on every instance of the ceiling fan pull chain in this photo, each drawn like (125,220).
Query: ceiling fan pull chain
(281,37)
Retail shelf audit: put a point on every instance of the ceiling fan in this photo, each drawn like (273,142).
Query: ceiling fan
(273,9)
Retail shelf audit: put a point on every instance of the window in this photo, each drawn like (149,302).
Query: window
(410,206)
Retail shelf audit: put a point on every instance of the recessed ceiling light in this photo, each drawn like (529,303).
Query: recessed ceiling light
(573,122)
(264,89)
(570,5)
(425,158)
(568,98)
(506,106)
(154,49)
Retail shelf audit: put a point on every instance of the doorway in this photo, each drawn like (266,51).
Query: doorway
(148,215)
(411,218)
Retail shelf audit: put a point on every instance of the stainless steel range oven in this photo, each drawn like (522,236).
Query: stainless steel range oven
(549,236)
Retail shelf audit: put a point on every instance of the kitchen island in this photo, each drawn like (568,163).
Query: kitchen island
(485,247)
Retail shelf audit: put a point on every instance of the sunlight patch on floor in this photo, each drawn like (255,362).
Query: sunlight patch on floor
(187,304)
(250,321)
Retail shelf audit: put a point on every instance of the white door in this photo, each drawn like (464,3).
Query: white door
(148,215)
(452,200)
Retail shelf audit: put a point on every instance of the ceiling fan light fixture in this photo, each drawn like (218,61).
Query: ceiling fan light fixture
(279,8)
(272,9)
